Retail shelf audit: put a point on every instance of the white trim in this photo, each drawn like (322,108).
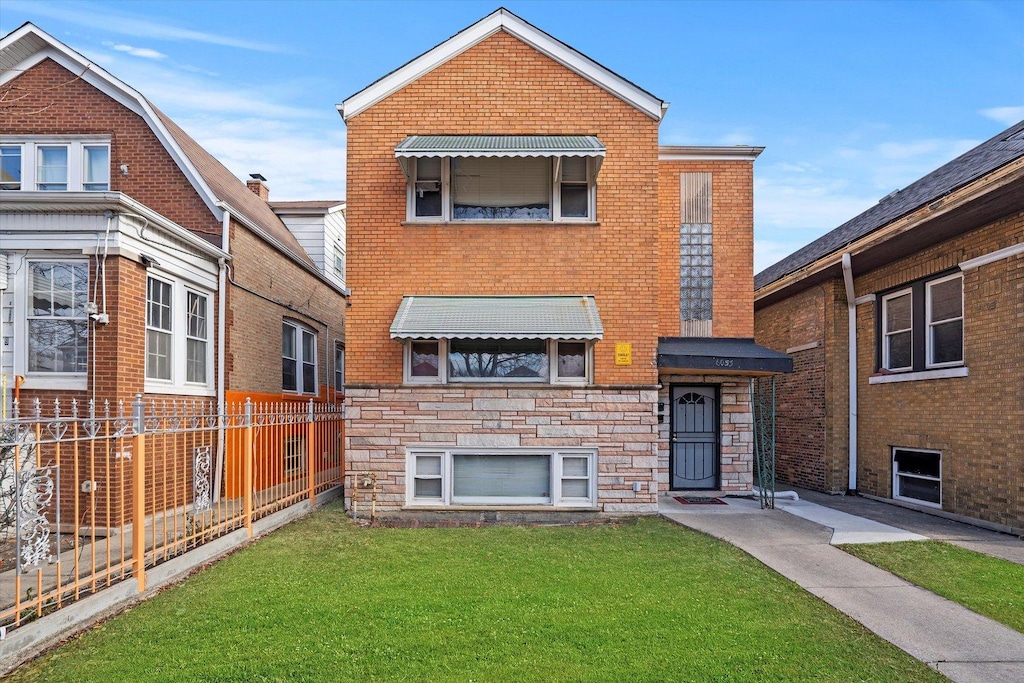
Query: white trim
(556,474)
(803,347)
(886,332)
(442,362)
(178,384)
(300,386)
(866,299)
(942,373)
(708,153)
(896,475)
(992,257)
(503,20)
(552,378)
(929,324)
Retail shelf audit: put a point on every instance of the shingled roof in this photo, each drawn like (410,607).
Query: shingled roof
(233,192)
(966,168)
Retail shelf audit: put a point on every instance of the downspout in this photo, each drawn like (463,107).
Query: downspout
(851,309)
(222,289)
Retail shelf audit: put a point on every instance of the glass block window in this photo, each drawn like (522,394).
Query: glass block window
(696,270)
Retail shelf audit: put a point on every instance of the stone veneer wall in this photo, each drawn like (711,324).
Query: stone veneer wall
(621,423)
(737,445)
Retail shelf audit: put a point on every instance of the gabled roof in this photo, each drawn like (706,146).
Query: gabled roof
(503,20)
(29,45)
(965,169)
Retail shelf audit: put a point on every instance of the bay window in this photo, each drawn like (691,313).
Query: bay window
(179,350)
(58,324)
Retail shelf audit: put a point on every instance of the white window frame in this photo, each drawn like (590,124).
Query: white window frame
(339,366)
(557,474)
(896,474)
(178,382)
(76,165)
(886,333)
(442,369)
(930,324)
(52,379)
(555,196)
(300,360)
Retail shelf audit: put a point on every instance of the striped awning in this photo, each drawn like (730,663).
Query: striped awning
(497,317)
(498,146)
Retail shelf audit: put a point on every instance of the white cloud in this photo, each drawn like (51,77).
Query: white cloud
(298,162)
(1004,115)
(91,16)
(143,52)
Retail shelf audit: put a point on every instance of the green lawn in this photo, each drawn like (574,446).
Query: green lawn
(638,601)
(987,585)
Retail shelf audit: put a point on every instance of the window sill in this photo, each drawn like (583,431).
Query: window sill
(591,224)
(917,501)
(502,385)
(172,390)
(939,373)
(69,383)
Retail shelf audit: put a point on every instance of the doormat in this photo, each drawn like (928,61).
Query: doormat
(690,500)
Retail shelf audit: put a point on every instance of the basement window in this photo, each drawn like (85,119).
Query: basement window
(917,476)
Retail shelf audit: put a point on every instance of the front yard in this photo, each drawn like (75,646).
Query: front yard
(323,600)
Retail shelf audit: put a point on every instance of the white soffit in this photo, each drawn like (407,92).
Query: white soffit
(503,20)
(29,45)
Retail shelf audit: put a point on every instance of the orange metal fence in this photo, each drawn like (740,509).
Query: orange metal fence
(91,497)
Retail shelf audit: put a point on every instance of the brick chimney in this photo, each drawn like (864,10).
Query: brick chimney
(258,186)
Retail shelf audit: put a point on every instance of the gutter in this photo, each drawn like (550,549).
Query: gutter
(851,308)
(222,290)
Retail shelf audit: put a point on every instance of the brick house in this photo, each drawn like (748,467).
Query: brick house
(932,279)
(132,261)
(520,318)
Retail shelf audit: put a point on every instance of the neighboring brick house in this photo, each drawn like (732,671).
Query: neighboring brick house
(519,322)
(933,275)
(132,261)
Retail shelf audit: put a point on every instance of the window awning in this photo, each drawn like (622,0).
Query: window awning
(719,356)
(498,146)
(497,317)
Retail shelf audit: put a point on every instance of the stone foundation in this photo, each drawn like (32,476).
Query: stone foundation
(621,424)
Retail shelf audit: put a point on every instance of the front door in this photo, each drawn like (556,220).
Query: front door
(694,437)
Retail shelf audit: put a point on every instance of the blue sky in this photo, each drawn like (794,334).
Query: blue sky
(852,100)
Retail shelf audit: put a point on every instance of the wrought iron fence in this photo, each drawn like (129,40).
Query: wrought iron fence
(93,495)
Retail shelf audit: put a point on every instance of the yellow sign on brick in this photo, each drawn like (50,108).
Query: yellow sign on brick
(623,354)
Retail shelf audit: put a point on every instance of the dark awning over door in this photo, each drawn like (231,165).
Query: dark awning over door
(693,355)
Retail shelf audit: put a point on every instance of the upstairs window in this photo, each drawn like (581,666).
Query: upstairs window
(503,189)
(54,164)
(484,178)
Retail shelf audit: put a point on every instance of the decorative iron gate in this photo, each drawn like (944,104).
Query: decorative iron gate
(762,404)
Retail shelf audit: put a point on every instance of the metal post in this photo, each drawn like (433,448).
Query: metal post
(310,449)
(139,493)
(247,456)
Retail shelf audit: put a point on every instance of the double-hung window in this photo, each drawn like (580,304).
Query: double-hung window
(921,326)
(525,476)
(178,337)
(501,177)
(58,324)
(298,358)
(55,164)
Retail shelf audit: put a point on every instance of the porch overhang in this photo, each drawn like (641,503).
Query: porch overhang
(416,146)
(497,317)
(719,356)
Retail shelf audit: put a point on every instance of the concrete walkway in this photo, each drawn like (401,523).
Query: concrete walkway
(960,644)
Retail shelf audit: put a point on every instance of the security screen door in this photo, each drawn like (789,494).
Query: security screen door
(694,437)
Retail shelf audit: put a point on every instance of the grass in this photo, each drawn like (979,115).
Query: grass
(988,585)
(324,600)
